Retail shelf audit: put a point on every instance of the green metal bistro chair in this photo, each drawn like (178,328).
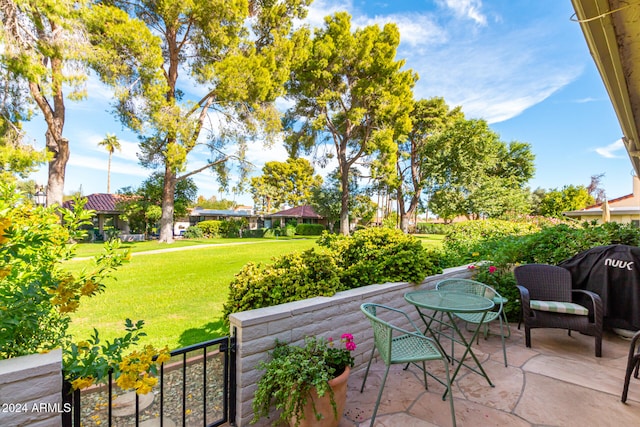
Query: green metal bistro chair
(397,345)
(478,288)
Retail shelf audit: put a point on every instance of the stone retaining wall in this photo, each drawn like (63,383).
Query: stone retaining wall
(31,390)
(256,330)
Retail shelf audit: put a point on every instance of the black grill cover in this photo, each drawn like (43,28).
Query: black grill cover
(613,272)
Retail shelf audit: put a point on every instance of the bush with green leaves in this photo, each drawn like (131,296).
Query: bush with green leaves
(259,232)
(272,232)
(309,229)
(431,228)
(550,245)
(231,227)
(38,295)
(193,232)
(380,255)
(290,231)
(464,238)
(291,277)
(501,278)
(210,228)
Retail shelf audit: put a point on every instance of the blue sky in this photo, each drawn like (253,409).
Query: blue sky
(521,65)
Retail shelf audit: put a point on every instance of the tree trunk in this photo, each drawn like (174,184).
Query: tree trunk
(59,147)
(168,198)
(109,175)
(344,208)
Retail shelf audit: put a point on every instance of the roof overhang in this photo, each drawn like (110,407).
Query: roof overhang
(612,31)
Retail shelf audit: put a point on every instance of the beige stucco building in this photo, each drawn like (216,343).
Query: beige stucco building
(624,210)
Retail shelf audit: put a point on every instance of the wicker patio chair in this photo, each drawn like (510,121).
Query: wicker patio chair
(397,345)
(478,288)
(633,364)
(548,301)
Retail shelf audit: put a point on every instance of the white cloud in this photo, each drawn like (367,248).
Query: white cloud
(99,163)
(469,9)
(610,151)
(417,29)
(492,79)
(319,9)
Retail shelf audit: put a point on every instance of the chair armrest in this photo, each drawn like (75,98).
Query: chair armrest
(525,301)
(406,316)
(594,303)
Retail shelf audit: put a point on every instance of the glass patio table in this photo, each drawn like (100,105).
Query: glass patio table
(434,304)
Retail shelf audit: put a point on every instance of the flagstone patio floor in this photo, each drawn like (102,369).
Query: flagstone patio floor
(557,382)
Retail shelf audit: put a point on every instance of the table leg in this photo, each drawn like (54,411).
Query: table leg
(468,350)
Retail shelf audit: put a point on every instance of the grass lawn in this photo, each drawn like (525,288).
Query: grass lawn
(178,294)
(431,241)
(93,249)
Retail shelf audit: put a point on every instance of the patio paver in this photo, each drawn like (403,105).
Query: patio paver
(558,382)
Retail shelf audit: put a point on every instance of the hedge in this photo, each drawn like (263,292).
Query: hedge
(309,229)
(370,256)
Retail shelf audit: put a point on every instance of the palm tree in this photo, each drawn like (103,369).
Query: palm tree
(112,144)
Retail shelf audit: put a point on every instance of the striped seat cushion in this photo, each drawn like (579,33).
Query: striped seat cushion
(559,307)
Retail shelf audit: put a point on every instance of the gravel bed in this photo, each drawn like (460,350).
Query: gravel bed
(94,400)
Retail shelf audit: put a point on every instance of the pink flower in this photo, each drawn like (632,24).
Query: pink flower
(350,345)
(471,267)
(347,337)
(492,269)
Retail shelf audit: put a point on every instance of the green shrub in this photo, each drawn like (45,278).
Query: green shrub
(259,232)
(290,231)
(430,228)
(309,229)
(289,278)
(193,232)
(501,278)
(380,255)
(231,227)
(210,228)
(550,245)
(273,232)
(463,238)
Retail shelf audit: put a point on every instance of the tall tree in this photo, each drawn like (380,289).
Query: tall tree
(17,159)
(236,53)
(429,118)
(326,199)
(111,144)
(141,206)
(281,183)
(350,91)
(463,158)
(595,189)
(43,46)
(569,198)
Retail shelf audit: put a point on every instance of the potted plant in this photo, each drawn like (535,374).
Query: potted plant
(308,384)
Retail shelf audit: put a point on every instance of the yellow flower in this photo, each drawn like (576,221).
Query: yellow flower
(4,272)
(81,383)
(5,223)
(145,384)
(126,381)
(164,356)
(89,288)
(475,254)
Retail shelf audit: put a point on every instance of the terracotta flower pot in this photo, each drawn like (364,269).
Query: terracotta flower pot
(323,404)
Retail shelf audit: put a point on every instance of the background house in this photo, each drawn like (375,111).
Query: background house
(106,213)
(304,214)
(198,214)
(624,210)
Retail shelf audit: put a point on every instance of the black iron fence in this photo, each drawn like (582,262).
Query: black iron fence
(196,387)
